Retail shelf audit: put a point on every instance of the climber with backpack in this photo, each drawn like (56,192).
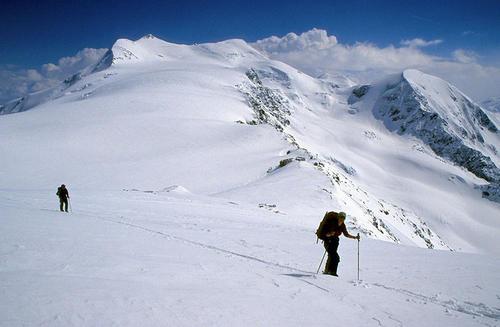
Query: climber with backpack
(63,194)
(331,227)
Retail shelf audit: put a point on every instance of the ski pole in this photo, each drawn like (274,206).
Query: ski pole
(321,263)
(358,257)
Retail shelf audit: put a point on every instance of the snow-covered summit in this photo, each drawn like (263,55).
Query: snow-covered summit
(147,50)
(149,36)
(151,49)
(464,117)
(436,112)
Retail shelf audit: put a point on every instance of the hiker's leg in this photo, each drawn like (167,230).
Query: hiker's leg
(333,256)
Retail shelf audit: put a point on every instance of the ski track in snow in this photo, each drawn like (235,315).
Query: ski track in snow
(474,309)
(469,308)
(336,290)
(203,245)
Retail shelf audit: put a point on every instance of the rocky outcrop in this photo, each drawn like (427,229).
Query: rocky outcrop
(270,106)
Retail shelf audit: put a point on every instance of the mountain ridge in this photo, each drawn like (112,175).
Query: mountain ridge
(445,119)
(222,119)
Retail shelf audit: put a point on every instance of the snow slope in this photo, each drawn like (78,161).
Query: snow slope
(198,175)
(136,258)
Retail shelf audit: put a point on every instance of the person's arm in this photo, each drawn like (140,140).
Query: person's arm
(346,233)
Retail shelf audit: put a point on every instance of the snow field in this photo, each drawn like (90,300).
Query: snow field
(162,259)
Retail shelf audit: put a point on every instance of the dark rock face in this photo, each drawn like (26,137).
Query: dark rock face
(491,191)
(484,120)
(17,105)
(358,93)
(105,62)
(269,105)
(72,79)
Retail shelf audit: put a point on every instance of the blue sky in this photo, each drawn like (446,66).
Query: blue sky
(44,42)
(36,32)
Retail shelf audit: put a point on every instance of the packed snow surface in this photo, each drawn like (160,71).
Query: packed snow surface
(198,175)
(136,258)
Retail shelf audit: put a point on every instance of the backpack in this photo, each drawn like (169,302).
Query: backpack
(330,219)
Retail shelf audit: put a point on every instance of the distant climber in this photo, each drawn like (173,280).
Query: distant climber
(331,227)
(62,193)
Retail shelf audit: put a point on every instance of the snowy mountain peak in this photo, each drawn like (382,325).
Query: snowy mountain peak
(444,99)
(437,113)
(148,50)
(416,75)
(125,50)
(148,36)
(152,49)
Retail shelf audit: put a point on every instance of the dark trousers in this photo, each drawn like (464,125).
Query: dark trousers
(63,202)
(331,246)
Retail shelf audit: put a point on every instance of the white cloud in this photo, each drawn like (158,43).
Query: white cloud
(313,39)
(16,82)
(468,33)
(50,68)
(465,56)
(33,75)
(420,43)
(68,66)
(366,62)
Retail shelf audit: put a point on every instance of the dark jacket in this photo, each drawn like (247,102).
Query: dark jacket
(329,227)
(337,230)
(62,193)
